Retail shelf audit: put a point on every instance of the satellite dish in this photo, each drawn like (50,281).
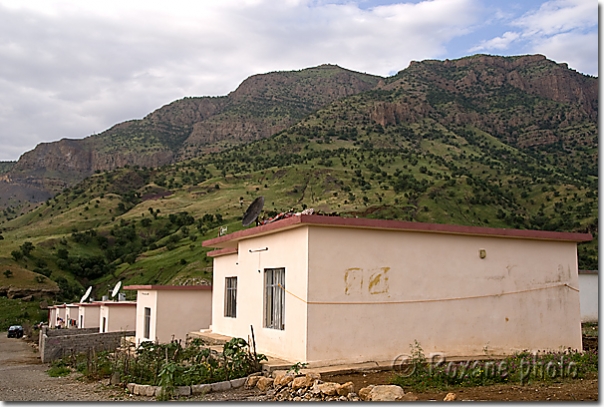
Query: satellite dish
(252,212)
(116,289)
(86,295)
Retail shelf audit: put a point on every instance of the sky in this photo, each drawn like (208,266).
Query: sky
(70,69)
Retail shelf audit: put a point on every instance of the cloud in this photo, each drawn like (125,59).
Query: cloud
(499,43)
(71,69)
(563,30)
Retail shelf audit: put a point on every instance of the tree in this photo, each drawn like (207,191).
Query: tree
(8,274)
(26,248)
(17,255)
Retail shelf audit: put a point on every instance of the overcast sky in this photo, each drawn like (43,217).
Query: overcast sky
(69,69)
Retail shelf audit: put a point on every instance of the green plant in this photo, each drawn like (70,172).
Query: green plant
(296,367)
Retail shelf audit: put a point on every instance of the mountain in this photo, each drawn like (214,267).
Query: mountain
(507,142)
(261,106)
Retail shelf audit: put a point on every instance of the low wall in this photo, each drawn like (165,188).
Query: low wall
(56,343)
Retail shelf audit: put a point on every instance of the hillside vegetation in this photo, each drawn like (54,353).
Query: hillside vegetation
(423,147)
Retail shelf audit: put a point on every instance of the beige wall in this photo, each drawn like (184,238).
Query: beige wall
(588,286)
(174,313)
(52,317)
(180,312)
(145,298)
(286,249)
(89,316)
(72,312)
(119,317)
(423,270)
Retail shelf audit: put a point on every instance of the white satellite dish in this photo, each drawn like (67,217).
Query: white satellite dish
(116,289)
(86,295)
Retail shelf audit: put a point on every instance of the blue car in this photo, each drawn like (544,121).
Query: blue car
(15,331)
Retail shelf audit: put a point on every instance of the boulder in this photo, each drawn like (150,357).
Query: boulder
(251,381)
(148,391)
(329,388)
(277,373)
(265,383)
(345,389)
(305,381)
(450,397)
(364,392)
(388,392)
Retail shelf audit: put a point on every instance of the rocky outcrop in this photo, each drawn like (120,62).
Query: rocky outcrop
(29,293)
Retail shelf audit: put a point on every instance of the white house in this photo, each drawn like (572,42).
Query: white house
(117,316)
(167,312)
(329,290)
(90,315)
(71,315)
(588,286)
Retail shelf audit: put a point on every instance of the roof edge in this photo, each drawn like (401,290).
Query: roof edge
(152,287)
(364,223)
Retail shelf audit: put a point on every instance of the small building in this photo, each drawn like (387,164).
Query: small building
(115,316)
(166,312)
(327,290)
(52,316)
(60,320)
(72,315)
(90,315)
(588,288)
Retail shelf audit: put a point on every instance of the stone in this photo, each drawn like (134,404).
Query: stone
(329,388)
(148,391)
(283,379)
(265,383)
(277,373)
(201,388)
(305,381)
(115,378)
(182,391)
(351,396)
(130,387)
(364,392)
(450,397)
(221,386)
(409,397)
(251,381)
(236,383)
(386,392)
(138,387)
(345,389)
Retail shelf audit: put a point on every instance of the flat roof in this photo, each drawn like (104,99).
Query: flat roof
(168,287)
(118,303)
(231,240)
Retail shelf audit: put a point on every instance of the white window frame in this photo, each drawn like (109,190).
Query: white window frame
(274,298)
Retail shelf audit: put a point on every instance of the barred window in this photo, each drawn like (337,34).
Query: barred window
(230,297)
(274,298)
(147,322)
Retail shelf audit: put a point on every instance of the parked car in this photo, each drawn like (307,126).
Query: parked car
(15,331)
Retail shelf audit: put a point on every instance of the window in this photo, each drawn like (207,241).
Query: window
(230,297)
(274,298)
(147,323)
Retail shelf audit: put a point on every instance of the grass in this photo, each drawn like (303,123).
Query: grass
(19,312)
(419,375)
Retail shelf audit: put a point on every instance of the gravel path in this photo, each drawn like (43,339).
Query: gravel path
(23,378)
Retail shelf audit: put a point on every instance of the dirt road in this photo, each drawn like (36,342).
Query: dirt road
(23,378)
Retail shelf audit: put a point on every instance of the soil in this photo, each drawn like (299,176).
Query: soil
(23,378)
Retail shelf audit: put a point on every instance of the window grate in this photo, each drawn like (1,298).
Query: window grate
(230,297)
(274,298)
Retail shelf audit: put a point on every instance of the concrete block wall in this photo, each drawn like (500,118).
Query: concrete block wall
(54,346)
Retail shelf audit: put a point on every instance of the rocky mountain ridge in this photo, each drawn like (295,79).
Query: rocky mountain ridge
(527,101)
